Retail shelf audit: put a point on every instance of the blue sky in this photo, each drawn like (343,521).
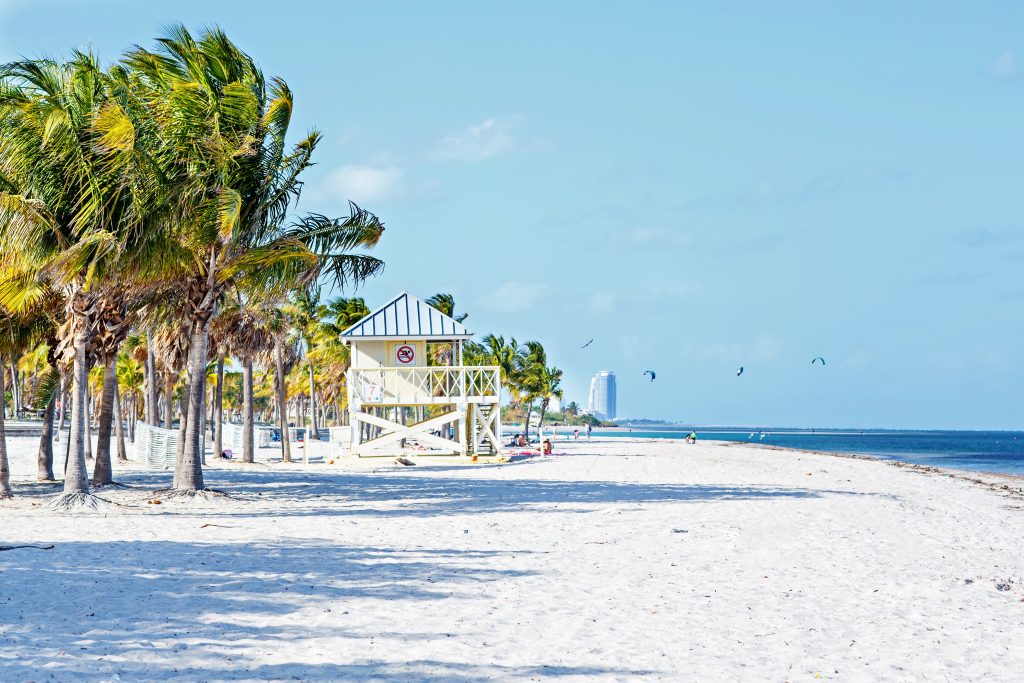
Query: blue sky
(698,186)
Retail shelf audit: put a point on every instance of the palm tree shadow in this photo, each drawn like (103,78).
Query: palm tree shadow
(194,611)
(398,493)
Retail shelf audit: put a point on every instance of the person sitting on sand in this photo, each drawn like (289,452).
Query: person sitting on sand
(691,437)
(544,448)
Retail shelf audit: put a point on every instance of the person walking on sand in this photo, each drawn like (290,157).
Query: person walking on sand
(588,431)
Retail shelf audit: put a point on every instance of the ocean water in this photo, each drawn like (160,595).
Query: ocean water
(966,450)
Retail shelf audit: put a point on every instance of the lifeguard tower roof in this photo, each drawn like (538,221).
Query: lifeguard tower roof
(406,317)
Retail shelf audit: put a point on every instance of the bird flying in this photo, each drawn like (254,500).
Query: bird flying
(739,371)
(817,359)
(651,373)
(587,344)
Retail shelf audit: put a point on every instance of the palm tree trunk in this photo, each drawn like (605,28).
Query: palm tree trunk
(248,452)
(5,469)
(169,381)
(76,478)
(183,415)
(529,413)
(122,453)
(282,401)
(218,407)
(188,471)
(132,415)
(15,391)
(65,394)
(152,392)
(89,413)
(313,422)
(45,459)
(103,470)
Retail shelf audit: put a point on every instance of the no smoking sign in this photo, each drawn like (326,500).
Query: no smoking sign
(405,355)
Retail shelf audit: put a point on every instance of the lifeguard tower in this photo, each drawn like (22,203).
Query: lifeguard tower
(400,402)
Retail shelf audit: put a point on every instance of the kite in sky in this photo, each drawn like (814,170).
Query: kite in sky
(739,371)
(651,373)
(817,359)
(587,344)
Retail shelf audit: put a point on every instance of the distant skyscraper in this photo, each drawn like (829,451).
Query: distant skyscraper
(602,395)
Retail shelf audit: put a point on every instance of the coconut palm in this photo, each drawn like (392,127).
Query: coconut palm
(344,312)
(549,381)
(130,381)
(441,353)
(247,331)
(530,376)
(224,127)
(446,304)
(67,216)
(306,313)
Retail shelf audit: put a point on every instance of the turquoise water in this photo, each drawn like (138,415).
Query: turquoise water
(967,450)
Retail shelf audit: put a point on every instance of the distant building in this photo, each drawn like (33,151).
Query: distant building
(602,395)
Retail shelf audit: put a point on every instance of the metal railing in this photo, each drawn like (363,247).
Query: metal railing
(440,384)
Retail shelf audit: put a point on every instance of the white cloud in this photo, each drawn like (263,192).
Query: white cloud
(477,143)
(515,297)
(362,183)
(1004,66)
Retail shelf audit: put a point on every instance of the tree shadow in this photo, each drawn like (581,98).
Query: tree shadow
(398,493)
(195,611)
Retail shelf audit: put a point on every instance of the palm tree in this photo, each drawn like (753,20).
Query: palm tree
(224,128)
(130,380)
(531,367)
(333,355)
(572,408)
(65,215)
(306,313)
(442,352)
(446,304)
(345,312)
(14,337)
(247,330)
(548,387)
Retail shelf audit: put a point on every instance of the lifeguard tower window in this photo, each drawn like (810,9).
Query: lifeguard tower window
(440,353)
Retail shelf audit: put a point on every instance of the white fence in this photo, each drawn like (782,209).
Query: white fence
(264,435)
(155,447)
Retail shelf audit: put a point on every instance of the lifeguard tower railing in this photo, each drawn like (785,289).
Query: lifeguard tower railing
(425,385)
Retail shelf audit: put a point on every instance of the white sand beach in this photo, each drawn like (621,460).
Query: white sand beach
(618,560)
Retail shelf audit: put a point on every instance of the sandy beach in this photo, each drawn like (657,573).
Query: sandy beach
(616,560)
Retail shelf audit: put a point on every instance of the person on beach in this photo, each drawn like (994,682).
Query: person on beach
(588,431)
(691,438)
(545,448)
(576,435)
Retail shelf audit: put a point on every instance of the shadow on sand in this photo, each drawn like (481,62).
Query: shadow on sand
(196,608)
